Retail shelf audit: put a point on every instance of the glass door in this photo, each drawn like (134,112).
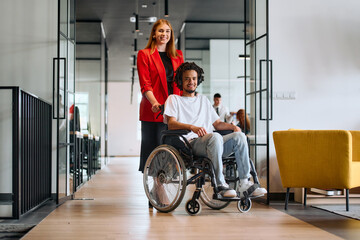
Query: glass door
(258,86)
(64,71)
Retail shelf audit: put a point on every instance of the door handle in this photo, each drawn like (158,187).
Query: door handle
(56,88)
(268,89)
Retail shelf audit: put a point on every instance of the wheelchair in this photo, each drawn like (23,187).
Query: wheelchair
(165,177)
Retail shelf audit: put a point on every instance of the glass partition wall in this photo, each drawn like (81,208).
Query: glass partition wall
(217,52)
(90,96)
(78,104)
(64,97)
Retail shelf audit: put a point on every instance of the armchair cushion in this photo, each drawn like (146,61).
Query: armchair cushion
(317,158)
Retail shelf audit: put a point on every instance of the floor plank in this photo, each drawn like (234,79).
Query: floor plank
(112,205)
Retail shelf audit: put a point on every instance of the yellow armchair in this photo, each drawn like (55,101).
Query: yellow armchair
(318,159)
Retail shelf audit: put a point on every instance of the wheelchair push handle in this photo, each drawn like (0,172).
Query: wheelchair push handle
(162,109)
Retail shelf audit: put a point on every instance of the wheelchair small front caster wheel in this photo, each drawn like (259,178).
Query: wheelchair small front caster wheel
(244,205)
(193,207)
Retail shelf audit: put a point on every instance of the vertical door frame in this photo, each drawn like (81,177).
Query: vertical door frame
(268,91)
(57,82)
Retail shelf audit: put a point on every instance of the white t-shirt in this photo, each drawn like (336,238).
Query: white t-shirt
(196,111)
(224,113)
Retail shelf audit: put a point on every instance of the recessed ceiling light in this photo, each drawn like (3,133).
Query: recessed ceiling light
(144,19)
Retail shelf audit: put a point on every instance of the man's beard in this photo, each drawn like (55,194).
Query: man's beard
(189,91)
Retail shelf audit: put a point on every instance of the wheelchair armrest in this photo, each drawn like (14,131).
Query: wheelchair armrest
(175,132)
(224,132)
(180,134)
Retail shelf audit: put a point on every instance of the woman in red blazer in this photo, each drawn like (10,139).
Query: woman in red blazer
(156,65)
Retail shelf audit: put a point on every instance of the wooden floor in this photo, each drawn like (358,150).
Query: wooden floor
(112,205)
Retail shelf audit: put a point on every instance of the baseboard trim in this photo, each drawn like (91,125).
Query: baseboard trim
(6,198)
(280,196)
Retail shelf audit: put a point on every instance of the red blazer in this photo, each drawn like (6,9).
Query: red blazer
(152,77)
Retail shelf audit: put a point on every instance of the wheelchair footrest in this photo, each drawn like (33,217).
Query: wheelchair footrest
(248,192)
(221,198)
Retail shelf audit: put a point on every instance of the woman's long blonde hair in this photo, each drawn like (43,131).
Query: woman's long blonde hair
(242,117)
(170,46)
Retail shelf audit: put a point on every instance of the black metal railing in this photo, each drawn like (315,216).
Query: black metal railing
(95,152)
(77,159)
(31,151)
(90,155)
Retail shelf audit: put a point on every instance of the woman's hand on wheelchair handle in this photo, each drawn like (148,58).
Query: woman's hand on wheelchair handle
(156,107)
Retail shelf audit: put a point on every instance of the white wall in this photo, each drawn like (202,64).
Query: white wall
(123,119)
(315,50)
(28,44)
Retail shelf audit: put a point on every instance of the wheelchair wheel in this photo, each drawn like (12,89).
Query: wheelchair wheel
(193,207)
(208,191)
(164,178)
(244,205)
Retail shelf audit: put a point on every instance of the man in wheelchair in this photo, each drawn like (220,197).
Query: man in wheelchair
(196,114)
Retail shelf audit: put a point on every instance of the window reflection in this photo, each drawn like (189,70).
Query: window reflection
(82,102)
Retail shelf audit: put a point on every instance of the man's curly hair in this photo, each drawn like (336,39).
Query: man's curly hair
(185,67)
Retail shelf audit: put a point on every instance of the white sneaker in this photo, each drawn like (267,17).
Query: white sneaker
(247,185)
(226,191)
(259,192)
(230,193)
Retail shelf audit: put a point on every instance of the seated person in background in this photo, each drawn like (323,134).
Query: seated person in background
(74,116)
(243,118)
(196,114)
(222,110)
